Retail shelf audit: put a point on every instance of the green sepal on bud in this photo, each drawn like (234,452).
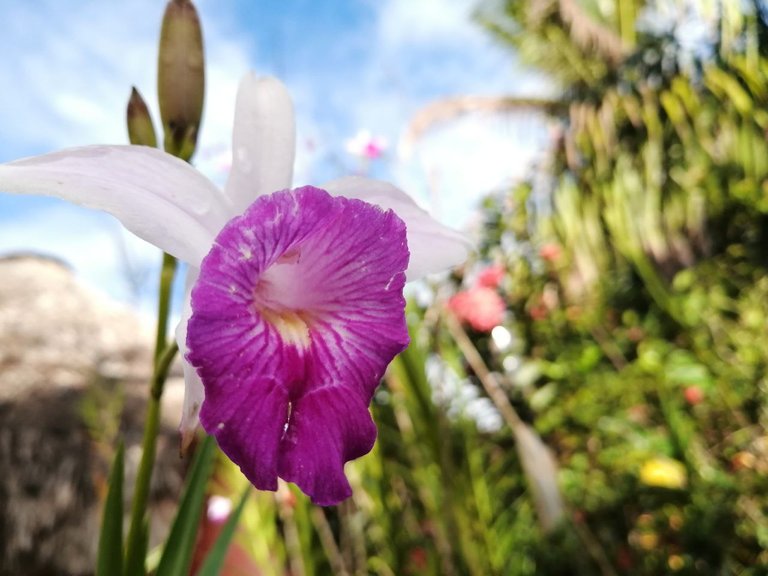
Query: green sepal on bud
(141,131)
(181,77)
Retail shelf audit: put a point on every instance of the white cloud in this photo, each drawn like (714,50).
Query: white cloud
(427,22)
(461,161)
(75,62)
(71,73)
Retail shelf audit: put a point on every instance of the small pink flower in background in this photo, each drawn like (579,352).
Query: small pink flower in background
(285,498)
(237,561)
(550,252)
(418,559)
(481,307)
(693,395)
(743,461)
(218,508)
(538,311)
(545,303)
(491,277)
(365,145)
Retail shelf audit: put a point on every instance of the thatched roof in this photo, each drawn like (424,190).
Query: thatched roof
(74,368)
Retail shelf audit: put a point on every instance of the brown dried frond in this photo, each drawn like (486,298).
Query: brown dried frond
(583,29)
(590,34)
(453,107)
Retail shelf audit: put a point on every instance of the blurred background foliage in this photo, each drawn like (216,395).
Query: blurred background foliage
(610,416)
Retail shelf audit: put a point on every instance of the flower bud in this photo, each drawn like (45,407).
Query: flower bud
(140,128)
(181,77)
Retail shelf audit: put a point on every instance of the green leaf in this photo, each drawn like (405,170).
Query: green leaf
(177,556)
(110,558)
(136,564)
(215,558)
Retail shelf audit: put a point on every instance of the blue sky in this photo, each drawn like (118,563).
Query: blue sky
(350,65)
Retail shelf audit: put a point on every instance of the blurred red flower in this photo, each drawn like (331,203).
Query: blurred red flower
(491,277)
(480,307)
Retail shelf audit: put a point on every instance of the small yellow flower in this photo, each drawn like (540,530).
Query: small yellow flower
(663,473)
(648,541)
(676,562)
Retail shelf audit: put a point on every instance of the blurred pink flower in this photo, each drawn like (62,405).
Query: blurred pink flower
(550,252)
(218,508)
(418,560)
(365,145)
(693,395)
(538,311)
(481,307)
(238,560)
(491,277)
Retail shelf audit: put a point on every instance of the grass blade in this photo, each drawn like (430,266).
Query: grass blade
(177,556)
(110,558)
(215,558)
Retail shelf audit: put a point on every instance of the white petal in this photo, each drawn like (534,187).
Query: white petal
(433,247)
(194,393)
(156,196)
(263,141)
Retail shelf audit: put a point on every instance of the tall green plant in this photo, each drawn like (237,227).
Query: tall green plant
(636,279)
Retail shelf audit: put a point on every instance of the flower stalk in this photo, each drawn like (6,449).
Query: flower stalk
(181,85)
(164,354)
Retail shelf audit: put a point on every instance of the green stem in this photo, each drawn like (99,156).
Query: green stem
(167,274)
(162,368)
(164,354)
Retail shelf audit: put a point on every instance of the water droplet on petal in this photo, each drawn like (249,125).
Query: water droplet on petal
(242,161)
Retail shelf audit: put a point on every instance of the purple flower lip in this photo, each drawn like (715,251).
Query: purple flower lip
(296,314)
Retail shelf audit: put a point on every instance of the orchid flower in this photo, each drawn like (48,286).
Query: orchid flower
(294,304)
